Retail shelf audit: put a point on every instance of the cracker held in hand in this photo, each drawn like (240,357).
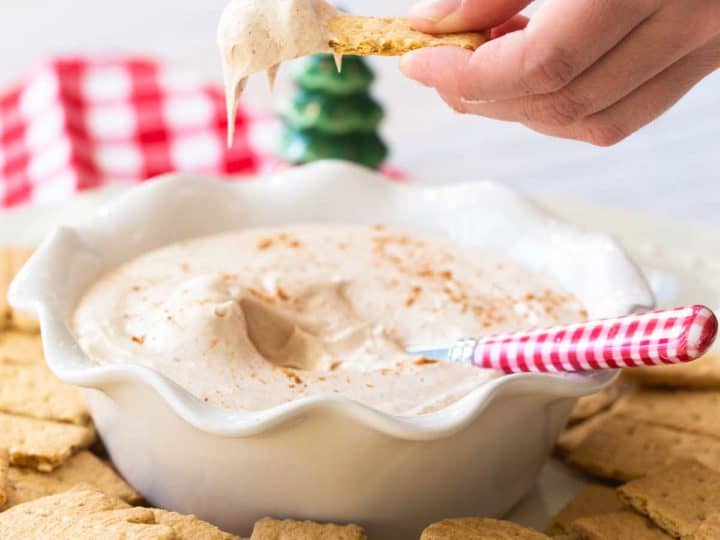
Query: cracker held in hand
(26,484)
(42,444)
(479,529)
(272,529)
(592,500)
(364,36)
(679,498)
(32,390)
(624,449)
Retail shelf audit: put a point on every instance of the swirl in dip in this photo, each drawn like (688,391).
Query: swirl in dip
(253,319)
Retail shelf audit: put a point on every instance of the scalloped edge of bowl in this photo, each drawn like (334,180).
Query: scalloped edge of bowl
(32,292)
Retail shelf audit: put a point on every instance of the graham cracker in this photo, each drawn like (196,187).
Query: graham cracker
(573,436)
(678,498)
(4,467)
(709,530)
(6,276)
(693,411)
(271,529)
(388,36)
(20,347)
(190,527)
(81,514)
(479,528)
(26,484)
(18,256)
(592,500)
(623,449)
(42,444)
(591,405)
(32,390)
(702,373)
(617,526)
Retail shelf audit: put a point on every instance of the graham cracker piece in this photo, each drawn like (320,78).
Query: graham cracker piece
(702,373)
(480,529)
(83,468)
(617,526)
(81,514)
(709,530)
(693,411)
(591,405)
(6,276)
(190,527)
(18,257)
(678,498)
(4,467)
(20,347)
(623,449)
(388,36)
(271,529)
(592,500)
(42,444)
(573,436)
(32,390)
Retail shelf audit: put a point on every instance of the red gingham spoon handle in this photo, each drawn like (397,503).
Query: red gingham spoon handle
(647,339)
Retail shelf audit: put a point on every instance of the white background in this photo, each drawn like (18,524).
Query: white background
(670,168)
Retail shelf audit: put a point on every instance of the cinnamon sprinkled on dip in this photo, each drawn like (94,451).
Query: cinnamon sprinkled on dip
(257,318)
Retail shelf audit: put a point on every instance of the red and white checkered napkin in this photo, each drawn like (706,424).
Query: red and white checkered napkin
(79,123)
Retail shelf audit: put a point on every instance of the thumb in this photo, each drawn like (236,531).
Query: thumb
(447,16)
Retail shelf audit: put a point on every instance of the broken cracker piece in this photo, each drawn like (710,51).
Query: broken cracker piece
(592,500)
(709,530)
(4,468)
(617,526)
(593,404)
(678,498)
(32,390)
(81,514)
(272,529)
(18,256)
(26,484)
(42,444)
(693,411)
(623,449)
(387,36)
(189,527)
(573,436)
(20,347)
(479,528)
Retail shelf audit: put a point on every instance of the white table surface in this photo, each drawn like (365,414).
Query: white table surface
(670,168)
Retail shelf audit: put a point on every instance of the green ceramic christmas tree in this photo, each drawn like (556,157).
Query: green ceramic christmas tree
(331,115)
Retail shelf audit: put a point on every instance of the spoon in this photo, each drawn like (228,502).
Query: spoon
(655,338)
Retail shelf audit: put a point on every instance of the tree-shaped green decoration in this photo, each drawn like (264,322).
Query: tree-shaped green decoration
(331,115)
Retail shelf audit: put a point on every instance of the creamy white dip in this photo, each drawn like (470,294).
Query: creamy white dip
(257,318)
(258,35)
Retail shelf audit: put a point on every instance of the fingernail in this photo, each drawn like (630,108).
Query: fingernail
(434,10)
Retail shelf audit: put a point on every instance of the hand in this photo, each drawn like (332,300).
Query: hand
(591,70)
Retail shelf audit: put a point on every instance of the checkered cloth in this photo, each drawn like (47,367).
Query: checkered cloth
(78,123)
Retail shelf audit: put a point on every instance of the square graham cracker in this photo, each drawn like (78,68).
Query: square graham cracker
(479,529)
(388,36)
(273,529)
(591,500)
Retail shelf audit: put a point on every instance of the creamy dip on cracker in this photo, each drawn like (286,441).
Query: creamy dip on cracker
(261,317)
(258,35)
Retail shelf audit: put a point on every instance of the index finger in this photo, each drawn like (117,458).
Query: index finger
(449,16)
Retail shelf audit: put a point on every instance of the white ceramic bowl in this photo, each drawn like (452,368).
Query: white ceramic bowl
(323,458)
